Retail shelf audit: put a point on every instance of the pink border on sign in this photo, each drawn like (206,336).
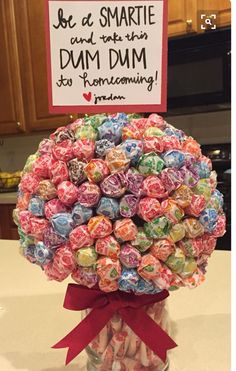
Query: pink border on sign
(162,107)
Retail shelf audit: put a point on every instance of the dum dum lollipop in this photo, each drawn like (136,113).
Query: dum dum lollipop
(120,201)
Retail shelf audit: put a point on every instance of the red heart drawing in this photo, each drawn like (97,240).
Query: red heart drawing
(87,96)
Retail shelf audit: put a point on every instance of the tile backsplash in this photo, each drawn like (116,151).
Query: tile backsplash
(206,128)
(14,150)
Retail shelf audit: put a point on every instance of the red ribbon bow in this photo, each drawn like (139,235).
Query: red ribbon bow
(104,306)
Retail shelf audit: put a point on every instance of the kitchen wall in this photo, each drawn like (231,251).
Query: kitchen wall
(207,128)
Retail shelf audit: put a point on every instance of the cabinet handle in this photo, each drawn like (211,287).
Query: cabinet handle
(18,124)
(189,25)
(71,118)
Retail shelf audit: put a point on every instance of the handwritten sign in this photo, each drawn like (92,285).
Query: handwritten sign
(106,56)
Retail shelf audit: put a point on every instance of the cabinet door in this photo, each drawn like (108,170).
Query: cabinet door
(182,17)
(224,13)
(222,7)
(8,230)
(31,38)
(11,105)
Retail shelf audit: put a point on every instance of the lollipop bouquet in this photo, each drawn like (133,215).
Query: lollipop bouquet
(128,207)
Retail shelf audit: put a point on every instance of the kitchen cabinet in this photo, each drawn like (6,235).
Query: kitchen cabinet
(32,55)
(23,72)
(11,103)
(222,9)
(8,230)
(184,15)
(224,17)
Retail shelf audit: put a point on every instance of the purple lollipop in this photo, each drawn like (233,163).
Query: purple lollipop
(134,181)
(128,206)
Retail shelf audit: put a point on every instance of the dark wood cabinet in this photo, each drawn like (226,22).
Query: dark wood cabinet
(8,230)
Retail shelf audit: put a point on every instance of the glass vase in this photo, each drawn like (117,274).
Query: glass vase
(118,348)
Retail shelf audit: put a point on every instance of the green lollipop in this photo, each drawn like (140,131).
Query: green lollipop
(150,164)
(158,227)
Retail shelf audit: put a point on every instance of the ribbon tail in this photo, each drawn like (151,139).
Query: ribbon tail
(148,331)
(84,332)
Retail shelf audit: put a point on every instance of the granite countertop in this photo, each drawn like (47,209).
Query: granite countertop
(8,198)
(31,309)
